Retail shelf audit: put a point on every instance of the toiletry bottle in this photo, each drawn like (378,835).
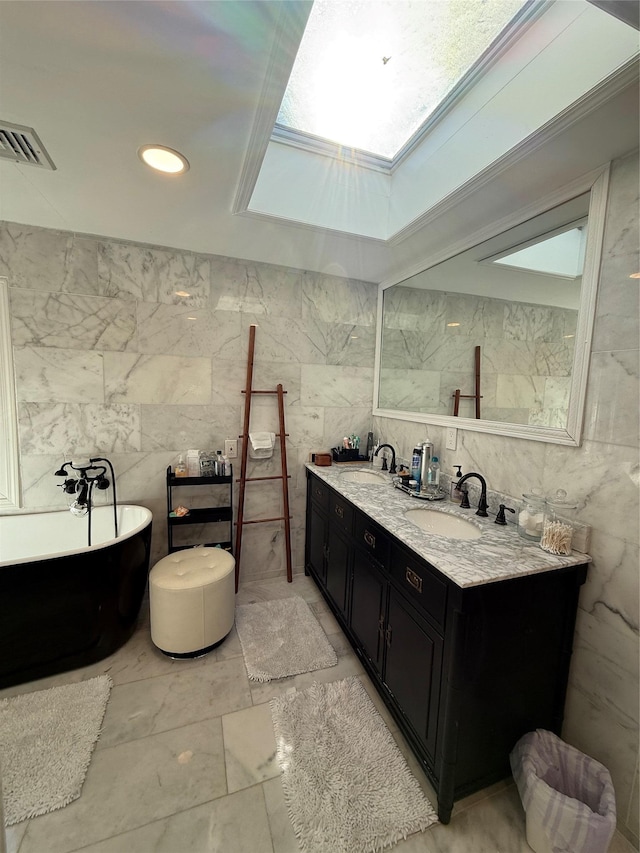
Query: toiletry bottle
(433,477)
(227,466)
(219,469)
(181,468)
(425,461)
(193,463)
(416,463)
(454,492)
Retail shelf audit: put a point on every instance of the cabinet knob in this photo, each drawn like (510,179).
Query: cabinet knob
(339,512)
(414,579)
(388,634)
(370,539)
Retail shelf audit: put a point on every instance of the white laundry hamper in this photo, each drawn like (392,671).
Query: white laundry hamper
(568,797)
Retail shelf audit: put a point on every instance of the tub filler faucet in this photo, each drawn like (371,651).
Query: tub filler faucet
(88,477)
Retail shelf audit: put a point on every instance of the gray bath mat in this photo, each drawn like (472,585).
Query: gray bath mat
(347,786)
(281,638)
(46,742)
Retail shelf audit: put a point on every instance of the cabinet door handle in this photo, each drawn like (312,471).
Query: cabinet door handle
(370,539)
(414,579)
(318,493)
(388,634)
(339,512)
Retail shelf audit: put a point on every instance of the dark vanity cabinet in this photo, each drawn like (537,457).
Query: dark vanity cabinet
(464,671)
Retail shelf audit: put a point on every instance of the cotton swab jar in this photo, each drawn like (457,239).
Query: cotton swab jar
(558,526)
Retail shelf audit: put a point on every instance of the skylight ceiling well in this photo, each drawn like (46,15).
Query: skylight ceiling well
(369,73)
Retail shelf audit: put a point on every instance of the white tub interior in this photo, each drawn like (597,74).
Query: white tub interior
(43,535)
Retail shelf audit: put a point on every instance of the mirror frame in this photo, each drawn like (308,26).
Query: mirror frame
(9,467)
(595,182)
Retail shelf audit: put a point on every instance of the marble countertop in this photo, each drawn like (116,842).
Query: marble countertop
(498,554)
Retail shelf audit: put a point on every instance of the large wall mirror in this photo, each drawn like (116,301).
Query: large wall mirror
(496,337)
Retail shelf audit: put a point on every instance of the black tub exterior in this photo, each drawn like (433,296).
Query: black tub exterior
(66,612)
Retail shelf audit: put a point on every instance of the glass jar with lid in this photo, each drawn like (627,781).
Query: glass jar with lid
(559,524)
(531,516)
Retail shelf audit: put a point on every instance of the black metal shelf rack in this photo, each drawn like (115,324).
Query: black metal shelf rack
(202,515)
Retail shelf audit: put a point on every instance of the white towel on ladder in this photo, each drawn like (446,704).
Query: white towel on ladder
(261,444)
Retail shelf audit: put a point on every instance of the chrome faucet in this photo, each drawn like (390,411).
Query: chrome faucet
(482,503)
(392,469)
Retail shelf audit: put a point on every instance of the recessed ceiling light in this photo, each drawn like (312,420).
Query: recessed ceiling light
(635,275)
(453,324)
(164,159)
(568,336)
(182,293)
(192,318)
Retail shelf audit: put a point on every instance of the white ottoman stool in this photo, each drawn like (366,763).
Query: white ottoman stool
(192,601)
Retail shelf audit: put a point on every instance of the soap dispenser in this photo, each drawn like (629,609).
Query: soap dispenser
(455,493)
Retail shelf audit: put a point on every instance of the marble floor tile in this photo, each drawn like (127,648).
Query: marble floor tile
(142,708)
(249,747)
(185,760)
(234,824)
(134,783)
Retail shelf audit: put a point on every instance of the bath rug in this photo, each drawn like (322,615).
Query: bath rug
(347,786)
(281,638)
(46,742)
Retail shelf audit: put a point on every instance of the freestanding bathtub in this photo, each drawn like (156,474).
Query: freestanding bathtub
(64,604)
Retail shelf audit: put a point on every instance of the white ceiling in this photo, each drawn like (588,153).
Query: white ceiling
(98,79)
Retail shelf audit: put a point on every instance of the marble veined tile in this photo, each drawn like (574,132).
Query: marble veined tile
(71,321)
(556,393)
(255,288)
(604,664)
(414,309)
(178,428)
(519,391)
(134,378)
(528,322)
(282,834)
(285,339)
(554,358)
(612,588)
(507,356)
(134,783)
(58,375)
(476,315)
(219,826)
(413,390)
(181,330)
(338,300)
(149,274)
(603,479)
(336,386)
(78,429)
(47,260)
(612,405)
(353,345)
(340,421)
(249,747)
(153,705)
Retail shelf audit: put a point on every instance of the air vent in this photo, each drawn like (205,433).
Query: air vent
(22,145)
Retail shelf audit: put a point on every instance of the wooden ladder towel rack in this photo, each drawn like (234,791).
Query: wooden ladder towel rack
(284,476)
(457,396)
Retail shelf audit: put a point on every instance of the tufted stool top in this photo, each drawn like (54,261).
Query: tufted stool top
(192,568)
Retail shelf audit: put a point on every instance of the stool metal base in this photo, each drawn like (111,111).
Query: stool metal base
(200,653)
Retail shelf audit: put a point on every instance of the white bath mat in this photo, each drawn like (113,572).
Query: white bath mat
(46,742)
(347,786)
(281,638)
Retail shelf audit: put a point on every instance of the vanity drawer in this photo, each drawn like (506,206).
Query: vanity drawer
(319,492)
(340,512)
(420,583)
(372,538)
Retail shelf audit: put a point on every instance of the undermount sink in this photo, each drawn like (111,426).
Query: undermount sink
(364,477)
(443,524)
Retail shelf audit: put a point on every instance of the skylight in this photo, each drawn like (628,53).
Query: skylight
(369,73)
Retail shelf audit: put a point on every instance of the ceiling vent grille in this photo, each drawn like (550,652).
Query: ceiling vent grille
(22,145)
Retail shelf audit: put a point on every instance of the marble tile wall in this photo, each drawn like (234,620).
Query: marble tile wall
(111,360)
(526,356)
(602,711)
